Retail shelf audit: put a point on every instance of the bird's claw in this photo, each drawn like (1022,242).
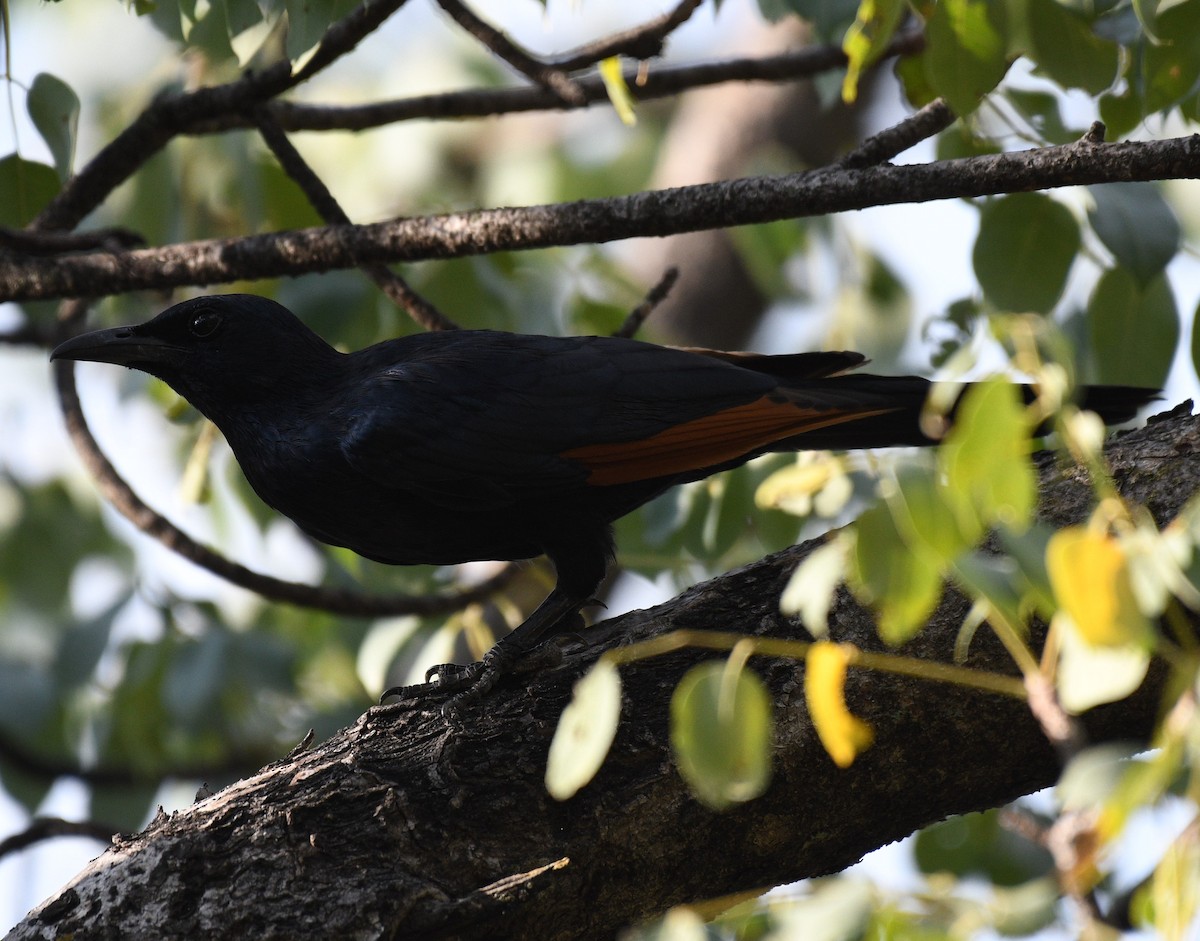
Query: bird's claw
(468,683)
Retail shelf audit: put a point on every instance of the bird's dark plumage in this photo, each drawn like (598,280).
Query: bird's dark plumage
(473,444)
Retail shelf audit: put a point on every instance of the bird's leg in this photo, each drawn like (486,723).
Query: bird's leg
(521,650)
(581,565)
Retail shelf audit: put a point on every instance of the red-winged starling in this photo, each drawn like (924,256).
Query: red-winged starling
(473,444)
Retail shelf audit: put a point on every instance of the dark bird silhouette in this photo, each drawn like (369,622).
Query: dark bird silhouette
(451,447)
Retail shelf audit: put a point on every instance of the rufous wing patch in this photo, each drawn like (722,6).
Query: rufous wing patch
(708,441)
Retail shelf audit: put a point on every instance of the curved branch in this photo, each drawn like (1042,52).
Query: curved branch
(653,213)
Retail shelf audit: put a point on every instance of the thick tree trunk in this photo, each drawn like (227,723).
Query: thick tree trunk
(403,827)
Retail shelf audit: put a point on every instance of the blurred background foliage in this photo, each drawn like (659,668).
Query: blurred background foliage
(125,670)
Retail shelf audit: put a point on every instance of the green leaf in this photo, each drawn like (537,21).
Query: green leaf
(585,731)
(966,56)
(1133,329)
(28,697)
(308,20)
(985,457)
(1067,51)
(867,38)
(732,509)
(1041,110)
(240,15)
(765,249)
(977,845)
(1121,113)
(828,18)
(904,586)
(196,677)
(721,733)
(930,518)
(1022,910)
(1170,67)
(1135,223)
(1175,888)
(25,190)
(994,579)
(959,141)
(1196,341)
(914,79)
(22,786)
(1024,251)
(1028,551)
(125,806)
(54,109)
(83,644)
(1093,777)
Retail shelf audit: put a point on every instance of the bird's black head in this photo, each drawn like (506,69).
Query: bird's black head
(232,348)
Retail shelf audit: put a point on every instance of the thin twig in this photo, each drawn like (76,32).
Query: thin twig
(391,283)
(41,829)
(932,119)
(554,79)
(59,243)
(132,507)
(655,296)
(640,42)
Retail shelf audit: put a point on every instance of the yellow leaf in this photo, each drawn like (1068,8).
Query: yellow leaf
(1090,577)
(618,91)
(866,39)
(817,479)
(843,734)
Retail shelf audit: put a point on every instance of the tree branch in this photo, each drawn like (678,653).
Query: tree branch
(659,82)
(654,213)
(401,826)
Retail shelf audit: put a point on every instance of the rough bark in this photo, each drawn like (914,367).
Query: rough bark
(401,826)
(743,201)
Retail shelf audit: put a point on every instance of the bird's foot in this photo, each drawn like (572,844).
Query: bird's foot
(468,683)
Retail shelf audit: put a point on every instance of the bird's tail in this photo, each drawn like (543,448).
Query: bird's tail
(885,411)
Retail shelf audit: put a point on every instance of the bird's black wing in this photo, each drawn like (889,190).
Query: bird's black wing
(483,418)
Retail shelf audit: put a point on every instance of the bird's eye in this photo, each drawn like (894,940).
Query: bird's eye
(205,324)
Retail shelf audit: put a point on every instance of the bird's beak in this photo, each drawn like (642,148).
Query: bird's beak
(124,346)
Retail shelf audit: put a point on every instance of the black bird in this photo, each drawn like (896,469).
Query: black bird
(472,444)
